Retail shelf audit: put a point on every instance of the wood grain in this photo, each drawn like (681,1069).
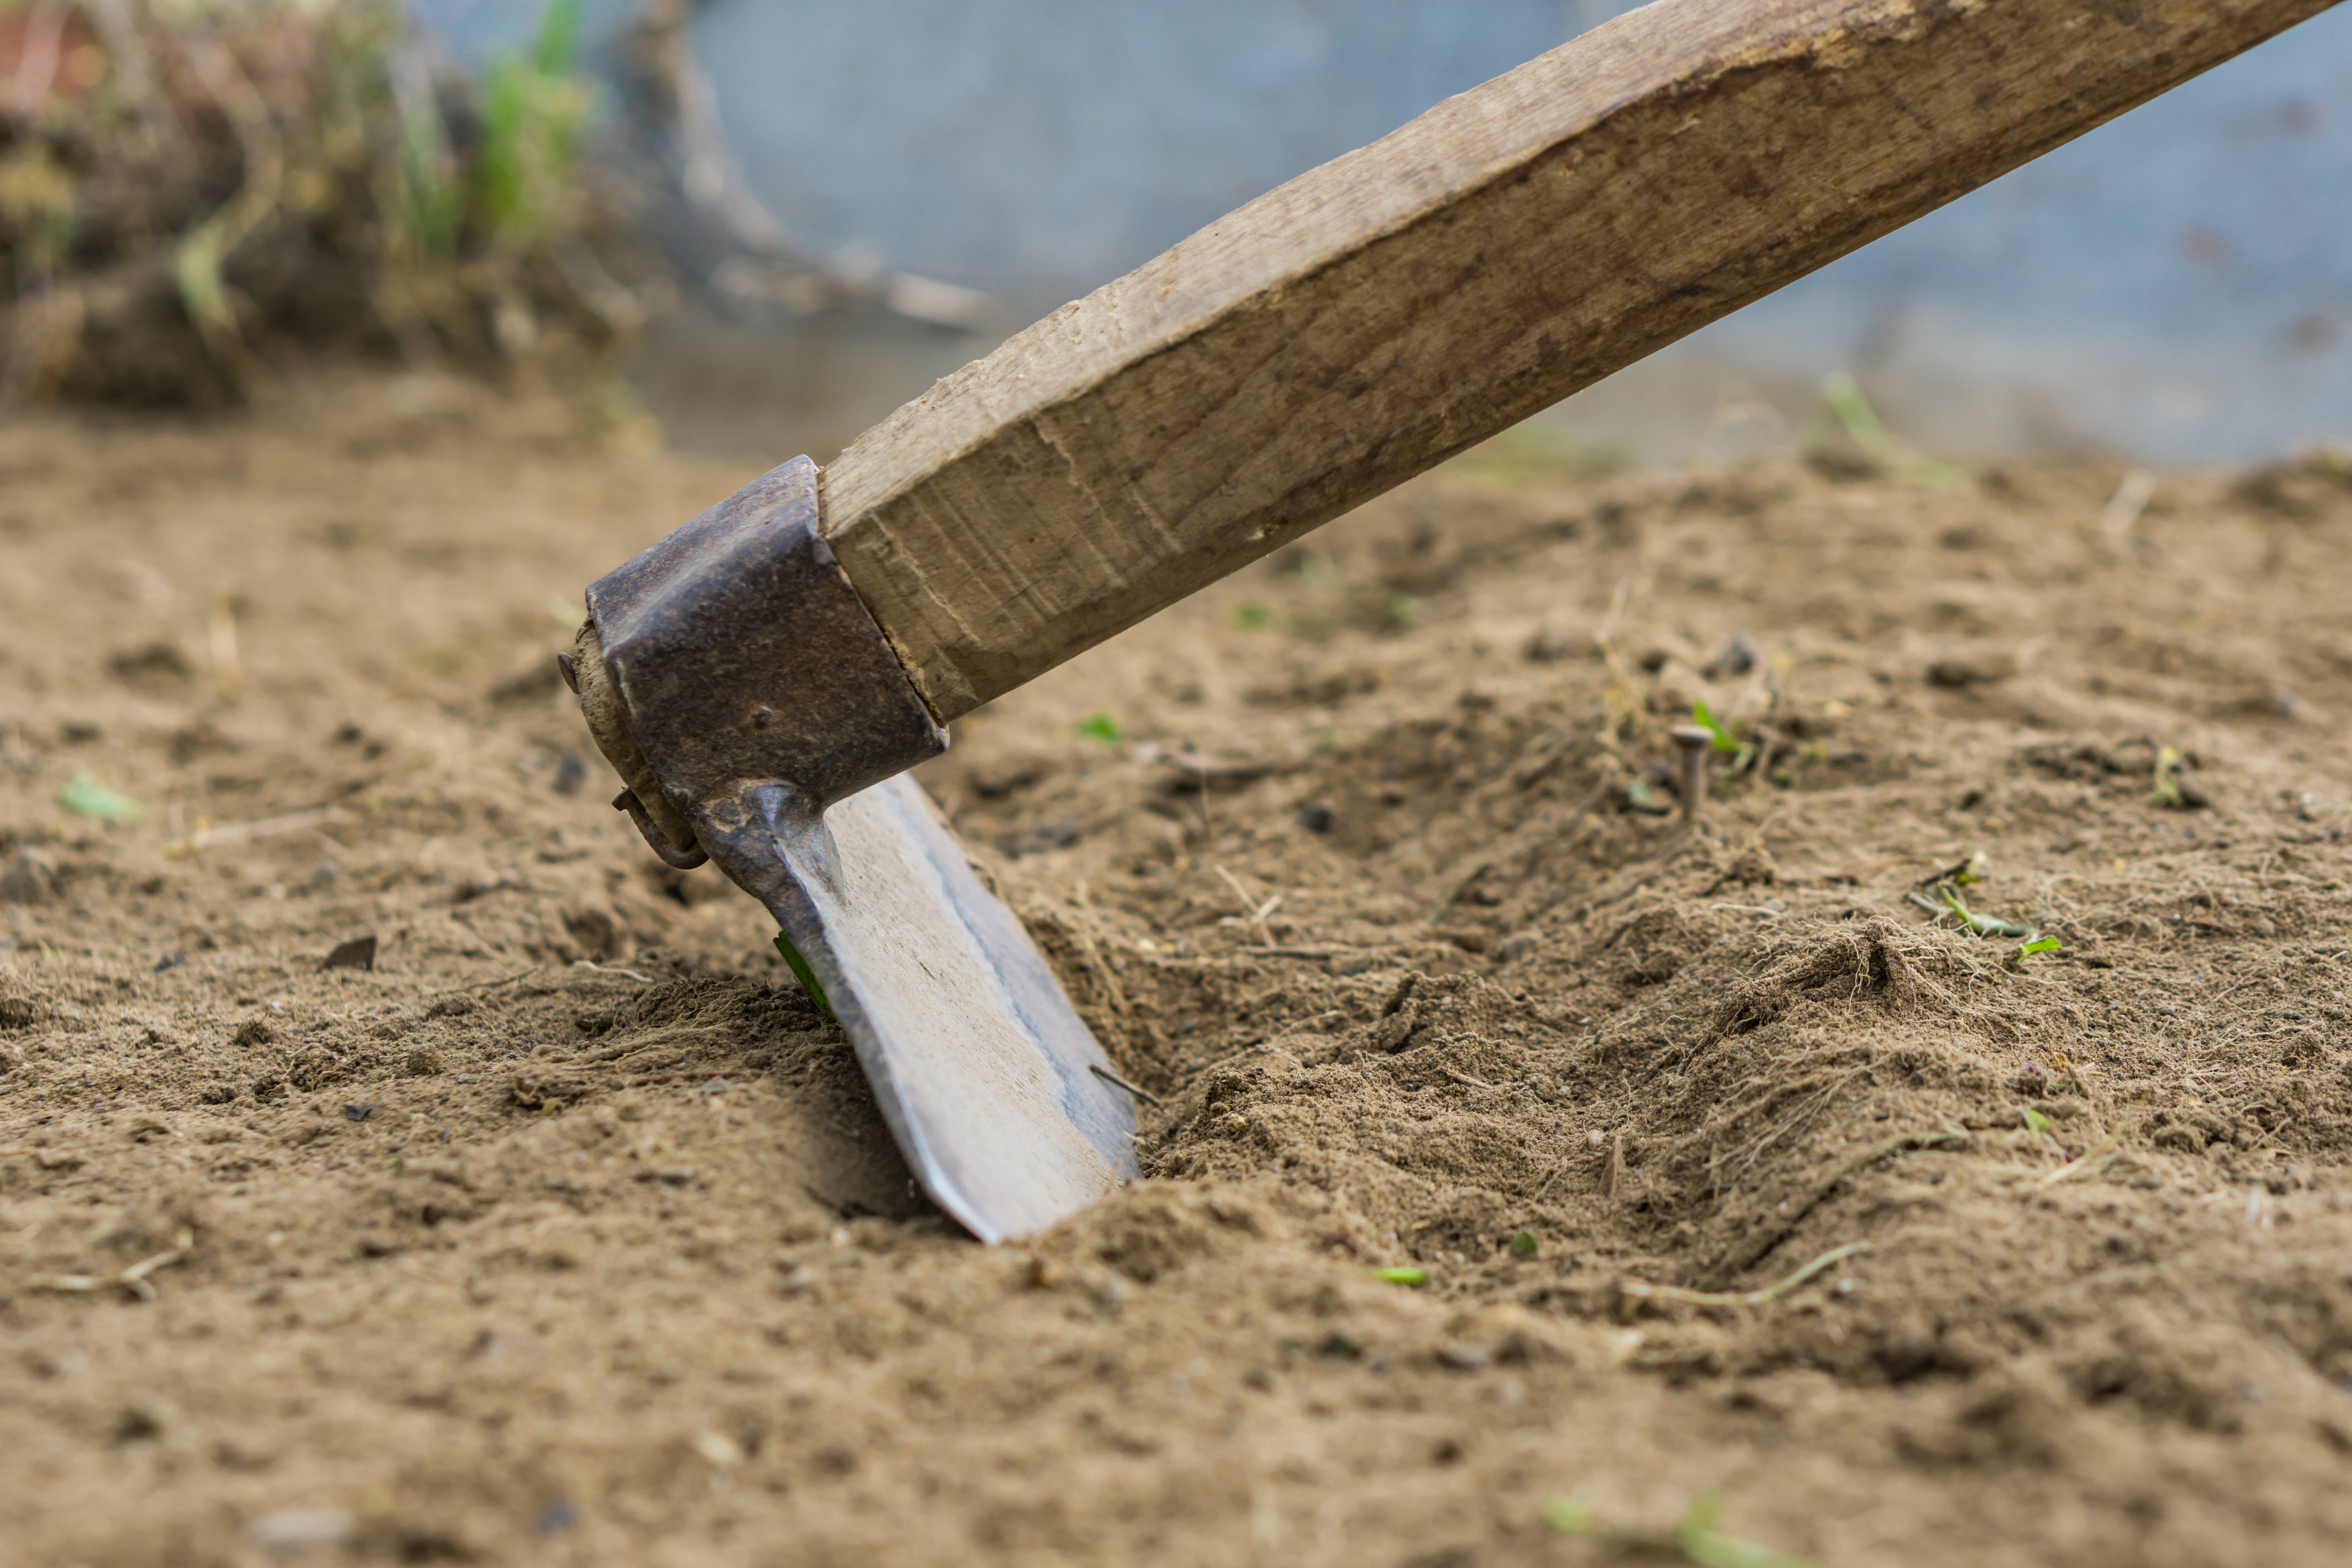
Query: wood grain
(1381,314)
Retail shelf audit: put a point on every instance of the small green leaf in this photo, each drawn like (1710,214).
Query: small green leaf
(1569,1516)
(1402,610)
(1726,738)
(1252,616)
(2040,945)
(1983,925)
(804,973)
(1406,1275)
(1844,397)
(84,796)
(1709,1550)
(2036,1122)
(1101,727)
(1524,1243)
(1699,1542)
(2173,791)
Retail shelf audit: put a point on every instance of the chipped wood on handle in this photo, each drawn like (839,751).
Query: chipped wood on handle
(1379,315)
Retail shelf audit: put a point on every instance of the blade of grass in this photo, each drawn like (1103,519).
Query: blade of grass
(804,973)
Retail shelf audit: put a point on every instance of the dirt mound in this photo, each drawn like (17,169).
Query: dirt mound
(1535,1169)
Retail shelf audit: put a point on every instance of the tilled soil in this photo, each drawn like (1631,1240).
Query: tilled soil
(1755,1206)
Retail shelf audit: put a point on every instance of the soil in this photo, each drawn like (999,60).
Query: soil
(567,1230)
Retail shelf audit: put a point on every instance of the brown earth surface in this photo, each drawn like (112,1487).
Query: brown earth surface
(569,1232)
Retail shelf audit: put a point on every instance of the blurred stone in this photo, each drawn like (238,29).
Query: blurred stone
(291,1532)
(31,877)
(1974,669)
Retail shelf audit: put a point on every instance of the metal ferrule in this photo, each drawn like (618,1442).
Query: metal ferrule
(737,652)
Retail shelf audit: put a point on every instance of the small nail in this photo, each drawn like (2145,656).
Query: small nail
(1694,742)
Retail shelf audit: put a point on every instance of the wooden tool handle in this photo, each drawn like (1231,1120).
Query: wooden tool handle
(1379,315)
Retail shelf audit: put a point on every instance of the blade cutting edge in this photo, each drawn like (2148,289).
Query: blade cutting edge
(984,1070)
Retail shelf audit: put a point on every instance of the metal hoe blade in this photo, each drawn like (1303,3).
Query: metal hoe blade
(766,712)
(988,1078)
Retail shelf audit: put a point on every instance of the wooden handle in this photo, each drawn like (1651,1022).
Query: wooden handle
(1379,315)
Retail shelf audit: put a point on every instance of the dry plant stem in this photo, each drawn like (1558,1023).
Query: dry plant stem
(1636,1290)
(2075,1167)
(483,984)
(613,969)
(1254,912)
(244,832)
(132,1279)
(1116,1081)
(2122,508)
(220,642)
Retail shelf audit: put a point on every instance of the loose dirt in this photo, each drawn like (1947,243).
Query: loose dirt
(567,1231)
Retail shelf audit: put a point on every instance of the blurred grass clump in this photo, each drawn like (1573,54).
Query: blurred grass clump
(188,187)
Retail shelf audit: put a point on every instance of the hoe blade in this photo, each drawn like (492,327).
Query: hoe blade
(999,1097)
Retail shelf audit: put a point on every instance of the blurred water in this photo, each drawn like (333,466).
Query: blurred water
(2176,284)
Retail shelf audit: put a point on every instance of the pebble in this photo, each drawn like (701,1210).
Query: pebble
(291,1530)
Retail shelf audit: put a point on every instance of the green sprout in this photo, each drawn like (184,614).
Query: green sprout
(2037,1123)
(425,208)
(804,973)
(1967,873)
(1252,616)
(1726,736)
(1842,396)
(1524,1243)
(532,112)
(1570,1517)
(1985,925)
(1401,610)
(1101,727)
(1404,1276)
(2172,790)
(84,796)
(1695,1538)
(2039,945)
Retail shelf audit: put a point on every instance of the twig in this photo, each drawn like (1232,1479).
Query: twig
(1252,912)
(1757,1298)
(1240,892)
(220,643)
(2122,508)
(133,1278)
(483,984)
(614,969)
(2082,1162)
(1109,1076)
(1464,1078)
(244,832)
